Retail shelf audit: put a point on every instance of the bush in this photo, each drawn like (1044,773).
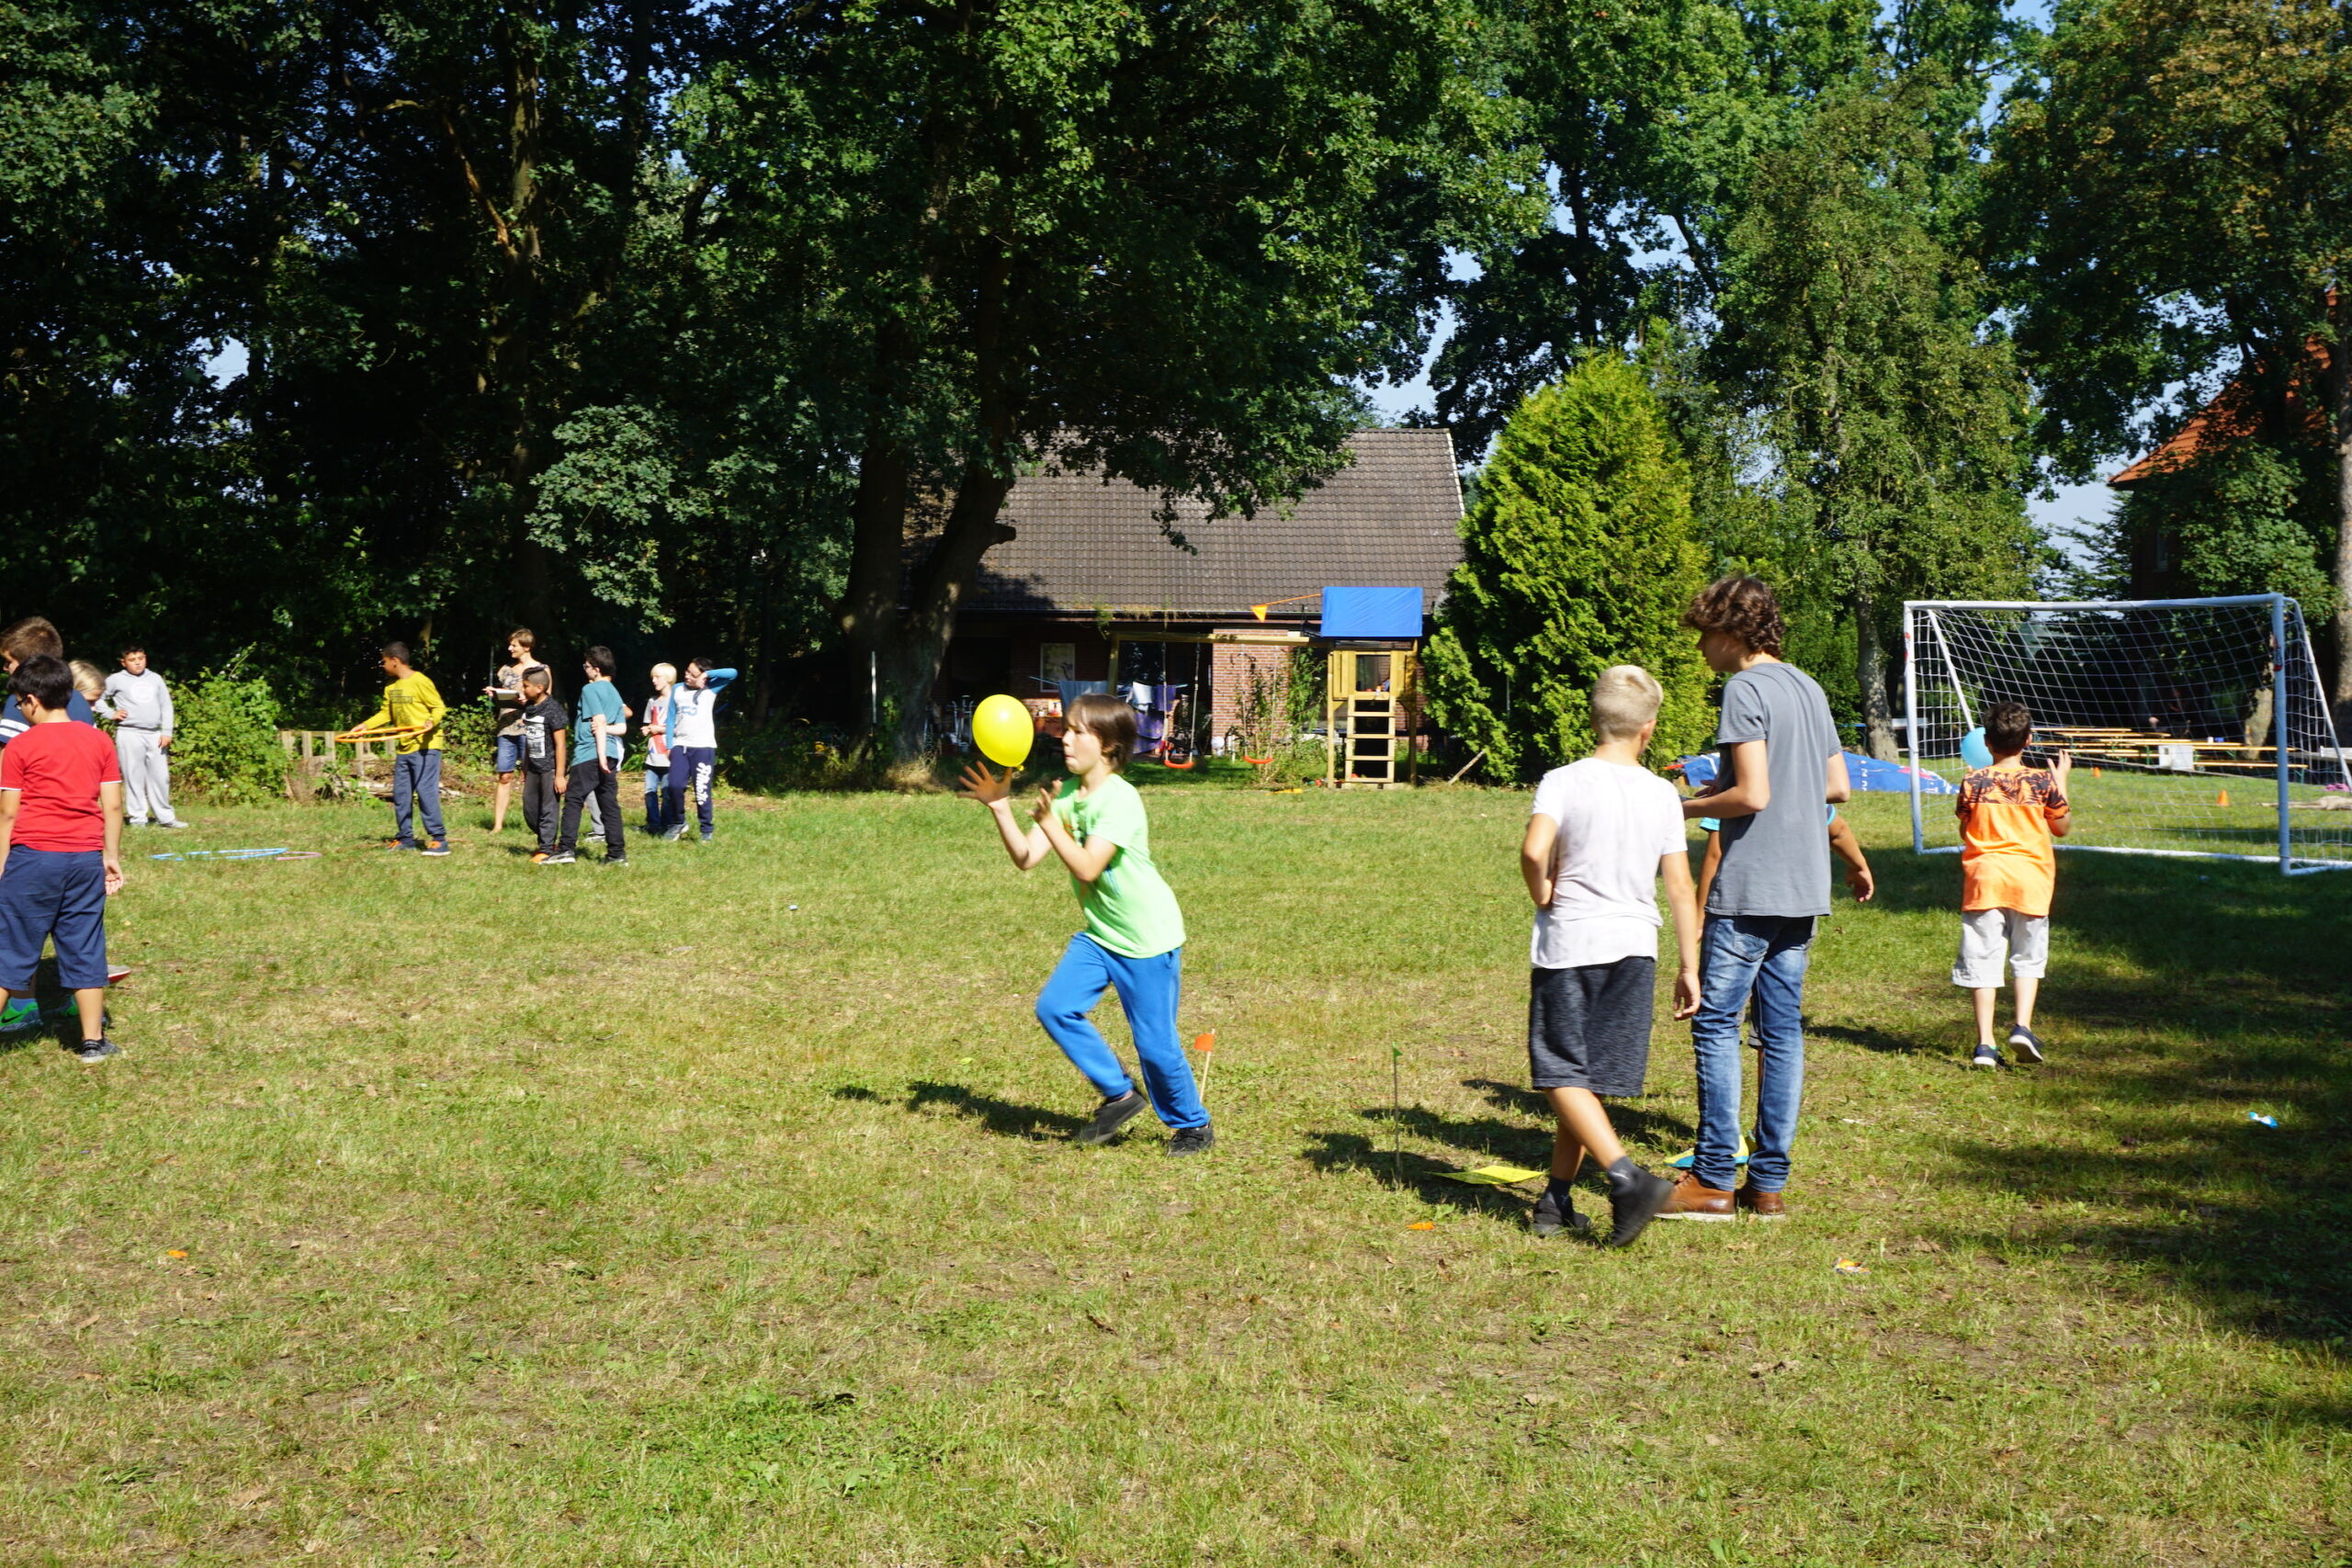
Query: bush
(1577,555)
(224,737)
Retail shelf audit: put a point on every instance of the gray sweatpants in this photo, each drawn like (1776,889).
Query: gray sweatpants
(146,775)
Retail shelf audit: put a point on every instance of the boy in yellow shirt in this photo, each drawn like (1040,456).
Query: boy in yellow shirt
(413,700)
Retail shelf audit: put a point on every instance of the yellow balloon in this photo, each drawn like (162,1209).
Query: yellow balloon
(1003,731)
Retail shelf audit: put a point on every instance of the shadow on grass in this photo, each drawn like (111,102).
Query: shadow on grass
(1003,1117)
(2191,993)
(1637,1122)
(1883,1041)
(1415,1173)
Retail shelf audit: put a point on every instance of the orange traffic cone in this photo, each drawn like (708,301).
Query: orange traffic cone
(2094,770)
(2221,799)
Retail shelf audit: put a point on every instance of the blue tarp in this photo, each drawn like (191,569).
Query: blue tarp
(1865,774)
(1372,612)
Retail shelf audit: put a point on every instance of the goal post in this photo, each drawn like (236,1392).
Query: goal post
(2197,727)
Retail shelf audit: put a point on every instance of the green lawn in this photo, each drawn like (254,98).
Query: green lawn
(581,1217)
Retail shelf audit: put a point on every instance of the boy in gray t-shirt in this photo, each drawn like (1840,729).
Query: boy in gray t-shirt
(1781,762)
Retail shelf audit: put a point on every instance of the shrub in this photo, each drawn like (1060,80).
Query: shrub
(224,739)
(1577,555)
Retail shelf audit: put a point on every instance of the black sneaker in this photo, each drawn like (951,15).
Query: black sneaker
(616,859)
(94,1050)
(1988,1055)
(1111,1115)
(1191,1140)
(2025,1042)
(1554,1215)
(562,857)
(1633,1205)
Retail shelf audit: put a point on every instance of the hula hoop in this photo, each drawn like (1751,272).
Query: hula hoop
(280,853)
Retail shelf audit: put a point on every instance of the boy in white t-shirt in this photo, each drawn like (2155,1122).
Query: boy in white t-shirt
(1603,833)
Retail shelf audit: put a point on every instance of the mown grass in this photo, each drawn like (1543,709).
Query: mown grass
(590,1217)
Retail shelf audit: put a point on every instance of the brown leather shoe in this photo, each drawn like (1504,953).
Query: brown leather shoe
(1690,1200)
(1762,1205)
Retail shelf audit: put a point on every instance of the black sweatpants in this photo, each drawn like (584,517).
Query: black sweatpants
(539,806)
(587,778)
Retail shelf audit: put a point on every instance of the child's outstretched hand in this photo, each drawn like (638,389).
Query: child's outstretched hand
(1043,810)
(983,785)
(1685,994)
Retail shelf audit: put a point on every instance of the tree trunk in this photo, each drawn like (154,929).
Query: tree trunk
(2339,396)
(1870,674)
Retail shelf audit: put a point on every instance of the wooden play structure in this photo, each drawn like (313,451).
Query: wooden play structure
(1371,694)
(1368,713)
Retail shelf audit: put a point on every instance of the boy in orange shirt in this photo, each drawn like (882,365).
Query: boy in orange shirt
(2010,816)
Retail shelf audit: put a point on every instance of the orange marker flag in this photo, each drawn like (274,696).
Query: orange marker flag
(1205,1043)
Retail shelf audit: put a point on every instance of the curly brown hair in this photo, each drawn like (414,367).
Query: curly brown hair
(1744,606)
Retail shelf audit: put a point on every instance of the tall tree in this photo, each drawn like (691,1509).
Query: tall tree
(1647,119)
(2173,206)
(1148,241)
(1577,555)
(1896,426)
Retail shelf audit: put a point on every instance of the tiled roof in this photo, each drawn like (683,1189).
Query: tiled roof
(2232,416)
(1390,518)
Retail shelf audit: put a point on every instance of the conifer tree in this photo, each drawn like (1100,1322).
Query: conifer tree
(1578,555)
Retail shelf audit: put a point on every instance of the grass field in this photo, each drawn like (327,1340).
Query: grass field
(457,1212)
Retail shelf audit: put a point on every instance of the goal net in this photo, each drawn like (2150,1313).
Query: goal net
(2197,727)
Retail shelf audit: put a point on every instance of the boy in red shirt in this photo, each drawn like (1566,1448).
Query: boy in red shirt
(2010,816)
(61,847)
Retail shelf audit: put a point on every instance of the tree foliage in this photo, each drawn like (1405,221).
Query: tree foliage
(2173,208)
(1577,555)
(1154,243)
(1895,428)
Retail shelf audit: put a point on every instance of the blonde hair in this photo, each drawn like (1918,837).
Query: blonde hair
(87,679)
(1625,698)
(666,673)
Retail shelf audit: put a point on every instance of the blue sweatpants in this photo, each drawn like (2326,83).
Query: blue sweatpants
(691,768)
(1148,991)
(416,777)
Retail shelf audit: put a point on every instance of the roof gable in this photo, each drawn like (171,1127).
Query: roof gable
(1392,517)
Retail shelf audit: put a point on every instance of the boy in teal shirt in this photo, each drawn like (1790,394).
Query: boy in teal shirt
(1134,940)
(599,724)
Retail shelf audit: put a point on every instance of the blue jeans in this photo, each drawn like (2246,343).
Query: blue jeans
(416,775)
(657,797)
(1740,956)
(1148,991)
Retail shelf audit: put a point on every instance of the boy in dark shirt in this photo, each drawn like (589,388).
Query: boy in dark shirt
(543,764)
(61,847)
(596,740)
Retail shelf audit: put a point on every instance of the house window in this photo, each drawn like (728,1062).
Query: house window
(1056,661)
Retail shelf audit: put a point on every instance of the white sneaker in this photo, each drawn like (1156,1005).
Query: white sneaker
(174,822)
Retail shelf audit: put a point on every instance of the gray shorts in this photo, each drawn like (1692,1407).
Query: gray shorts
(1589,1027)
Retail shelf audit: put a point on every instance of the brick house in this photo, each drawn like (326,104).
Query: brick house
(1089,589)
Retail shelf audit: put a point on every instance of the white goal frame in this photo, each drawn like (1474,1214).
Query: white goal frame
(1921,613)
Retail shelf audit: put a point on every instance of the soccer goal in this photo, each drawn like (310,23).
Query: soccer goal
(2197,727)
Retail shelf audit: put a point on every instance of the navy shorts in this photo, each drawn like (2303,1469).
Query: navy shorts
(1589,1027)
(507,755)
(60,894)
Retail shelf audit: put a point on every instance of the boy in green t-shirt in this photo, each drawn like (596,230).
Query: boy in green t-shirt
(1134,940)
